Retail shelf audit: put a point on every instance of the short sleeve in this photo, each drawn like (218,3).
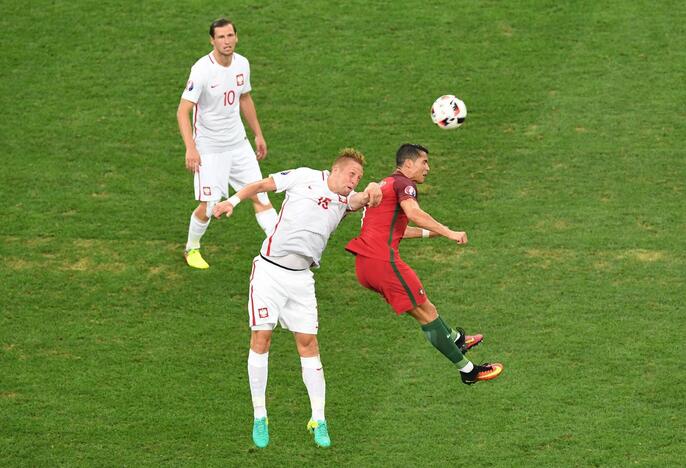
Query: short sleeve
(287,179)
(193,86)
(246,83)
(404,189)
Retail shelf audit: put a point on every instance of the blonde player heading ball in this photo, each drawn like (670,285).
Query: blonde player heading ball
(281,282)
(217,149)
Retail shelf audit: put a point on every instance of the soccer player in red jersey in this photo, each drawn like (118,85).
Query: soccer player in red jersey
(379,267)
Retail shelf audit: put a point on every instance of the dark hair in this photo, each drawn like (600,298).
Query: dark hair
(408,151)
(221,22)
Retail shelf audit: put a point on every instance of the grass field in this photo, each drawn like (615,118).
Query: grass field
(569,178)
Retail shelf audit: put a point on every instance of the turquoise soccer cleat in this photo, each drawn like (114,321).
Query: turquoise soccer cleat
(321,433)
(260,432)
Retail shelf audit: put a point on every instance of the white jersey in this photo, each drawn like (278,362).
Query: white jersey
(216,92)
(309,214)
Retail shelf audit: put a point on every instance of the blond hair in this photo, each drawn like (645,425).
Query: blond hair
(350,153)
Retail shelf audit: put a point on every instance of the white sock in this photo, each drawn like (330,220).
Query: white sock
(257,375)
(196,229)
(468,367)
(267,220)
(313,377)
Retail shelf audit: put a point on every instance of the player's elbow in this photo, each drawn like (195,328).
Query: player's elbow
(413,214)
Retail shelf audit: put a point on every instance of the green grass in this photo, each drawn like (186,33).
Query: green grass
(569,178)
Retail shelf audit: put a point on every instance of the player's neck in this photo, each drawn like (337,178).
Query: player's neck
(223,60)
(406,173)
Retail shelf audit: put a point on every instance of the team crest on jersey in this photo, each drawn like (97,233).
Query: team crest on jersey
(189,85)
(207,191)
(263,312)
(409,190)
(239,79)
(343,199)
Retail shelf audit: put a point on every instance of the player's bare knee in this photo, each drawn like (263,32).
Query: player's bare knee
(307,344)
(260,340)
(201,212)
(424,313)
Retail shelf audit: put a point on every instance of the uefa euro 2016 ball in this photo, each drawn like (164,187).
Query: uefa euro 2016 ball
(448,112)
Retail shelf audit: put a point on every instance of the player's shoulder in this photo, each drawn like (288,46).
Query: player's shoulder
(302,173)
(402,185)
(204,63)
(308,174)
(241,60)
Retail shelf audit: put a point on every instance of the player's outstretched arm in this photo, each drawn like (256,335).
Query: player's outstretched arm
(424,220)
(412,232)
(248,110)
(250,190)
(371,196)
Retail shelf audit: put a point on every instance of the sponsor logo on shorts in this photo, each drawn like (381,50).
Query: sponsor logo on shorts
(263,312)
(207,191)
(409,190)
(285,172)
(382,183)
(239,79)
(189,85)
(421,291)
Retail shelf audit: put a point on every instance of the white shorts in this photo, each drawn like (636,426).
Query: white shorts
(283,296)
(237,167)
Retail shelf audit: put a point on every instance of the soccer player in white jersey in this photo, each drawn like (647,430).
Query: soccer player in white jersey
(217,149)
(281,282)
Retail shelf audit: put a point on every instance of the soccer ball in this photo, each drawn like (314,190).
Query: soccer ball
(448,112)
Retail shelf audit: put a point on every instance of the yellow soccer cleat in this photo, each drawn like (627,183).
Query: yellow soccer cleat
(195,260)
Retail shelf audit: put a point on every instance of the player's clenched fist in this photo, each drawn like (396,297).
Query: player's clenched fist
(373,191)
(221,208)
(459,236)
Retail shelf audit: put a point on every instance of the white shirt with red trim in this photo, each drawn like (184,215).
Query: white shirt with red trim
(216,92)
(309,214)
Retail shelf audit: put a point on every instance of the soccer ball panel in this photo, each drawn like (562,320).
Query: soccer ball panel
(448,112)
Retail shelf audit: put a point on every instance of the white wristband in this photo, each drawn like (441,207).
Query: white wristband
(425,233)
(234,200)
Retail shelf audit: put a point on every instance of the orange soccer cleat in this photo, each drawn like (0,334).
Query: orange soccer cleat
(481,372)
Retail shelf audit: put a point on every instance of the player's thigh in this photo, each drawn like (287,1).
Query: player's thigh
(300,314)
(395,281)
(406,288)
(212,179)
(266,295)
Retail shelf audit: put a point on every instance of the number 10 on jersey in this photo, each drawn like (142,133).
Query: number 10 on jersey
(229,97)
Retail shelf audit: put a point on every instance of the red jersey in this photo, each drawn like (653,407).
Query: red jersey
(384,225)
